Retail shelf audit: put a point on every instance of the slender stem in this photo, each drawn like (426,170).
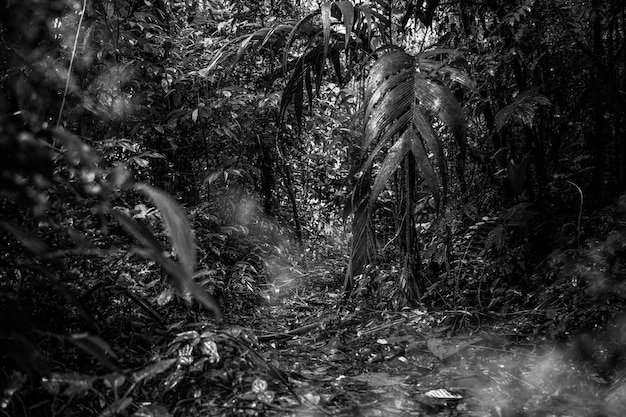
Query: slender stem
(69,70)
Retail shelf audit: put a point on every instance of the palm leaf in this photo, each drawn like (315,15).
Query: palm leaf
(425,143)
(440,70)
(392,161)
(325,11)
(297,28)
(398,101)
(363,246)
(347,10)
(438,99)
(261,37)
(522,108)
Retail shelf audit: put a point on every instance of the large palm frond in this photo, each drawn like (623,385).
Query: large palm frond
(403,96)
(307,45)
(522,108)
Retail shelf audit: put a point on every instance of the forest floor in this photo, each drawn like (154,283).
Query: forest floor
(319,360)
(289,346)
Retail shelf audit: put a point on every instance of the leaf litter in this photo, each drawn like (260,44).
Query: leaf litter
(316,358)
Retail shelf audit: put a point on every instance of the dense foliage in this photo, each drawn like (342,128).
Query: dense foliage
(168,167)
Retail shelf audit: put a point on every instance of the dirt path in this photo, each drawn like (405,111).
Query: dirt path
(325,361)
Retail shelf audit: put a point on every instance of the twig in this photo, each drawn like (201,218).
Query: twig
(293,332)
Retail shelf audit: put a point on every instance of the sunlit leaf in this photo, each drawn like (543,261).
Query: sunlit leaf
(392,161)
(177,225)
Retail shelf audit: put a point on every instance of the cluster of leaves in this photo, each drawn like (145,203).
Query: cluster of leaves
(76,299)
(200,370)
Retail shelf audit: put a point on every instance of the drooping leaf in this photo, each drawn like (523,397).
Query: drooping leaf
(384,88)
(289,91)
(281,29)
(426,169)
(325,11)
(152,370)
(424,144)
(399,100)
(309,86)
(298,99)
(76,151)
(390,117)
(96,347)
(178,275)
(347,10)
(392,161)
(138,231)
(388,131)
(367,14)
(176,224)
(522,108)
(298,28)
(444,71)
(30,241)
(182,282)
(335,60)
(385,67)
(438,99)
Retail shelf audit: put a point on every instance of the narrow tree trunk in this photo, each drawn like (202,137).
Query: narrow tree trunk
(409,245)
